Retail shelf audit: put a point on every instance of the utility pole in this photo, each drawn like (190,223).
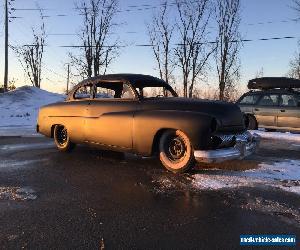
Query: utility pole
(68,78)
(6,47)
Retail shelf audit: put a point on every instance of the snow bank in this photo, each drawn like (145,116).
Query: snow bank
(287,136)
(20,107)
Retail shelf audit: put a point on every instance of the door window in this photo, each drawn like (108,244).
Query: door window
(288,101)
(113,91)
(269,100)
(84,92)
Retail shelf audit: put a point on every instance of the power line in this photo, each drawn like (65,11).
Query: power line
(129,9)
(233,41)
(142,7)
(177,44)
(274,21)
(290,20)
(75,34)
(38,9)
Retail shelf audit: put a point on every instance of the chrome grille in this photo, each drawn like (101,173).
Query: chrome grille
(227,140)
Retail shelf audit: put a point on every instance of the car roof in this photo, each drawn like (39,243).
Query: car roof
(137,80)
(265,83)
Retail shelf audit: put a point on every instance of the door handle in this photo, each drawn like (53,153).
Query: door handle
(282,110)
(256,109)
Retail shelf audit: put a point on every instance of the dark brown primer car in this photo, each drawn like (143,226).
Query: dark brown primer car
(143,115)
(272,103)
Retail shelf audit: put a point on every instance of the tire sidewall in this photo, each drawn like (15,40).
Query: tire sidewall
(188,159)
(252,122)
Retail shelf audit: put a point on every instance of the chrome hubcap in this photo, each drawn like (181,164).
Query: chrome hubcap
(62,135)
(176,148)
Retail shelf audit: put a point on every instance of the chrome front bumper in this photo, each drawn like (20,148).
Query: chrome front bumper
(242,148)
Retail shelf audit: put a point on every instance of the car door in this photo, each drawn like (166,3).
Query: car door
(267,109)
(74,112)
(289,114)
(110,115)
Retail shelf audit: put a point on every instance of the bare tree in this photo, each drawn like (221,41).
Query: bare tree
(96,52)
(160,33)
(31,56)
(294,70)
(297,5)
(228,43)
(259,73)
(193,50)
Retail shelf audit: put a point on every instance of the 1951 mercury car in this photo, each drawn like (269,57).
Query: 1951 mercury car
(144,115)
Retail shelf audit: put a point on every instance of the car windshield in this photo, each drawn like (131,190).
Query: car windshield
(155,92)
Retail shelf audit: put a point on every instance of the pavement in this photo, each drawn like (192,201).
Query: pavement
(91,199)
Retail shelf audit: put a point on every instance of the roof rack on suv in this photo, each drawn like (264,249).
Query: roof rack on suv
(266,83)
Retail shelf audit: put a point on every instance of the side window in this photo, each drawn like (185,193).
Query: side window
(102,92)
(84,92)
(127,92)
(269,100)
(113,90)
(288,101)
(249,99)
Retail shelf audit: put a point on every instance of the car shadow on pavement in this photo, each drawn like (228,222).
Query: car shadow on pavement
(149,163)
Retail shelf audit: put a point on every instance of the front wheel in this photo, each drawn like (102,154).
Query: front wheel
(62,139)
(253,125)
(175,151)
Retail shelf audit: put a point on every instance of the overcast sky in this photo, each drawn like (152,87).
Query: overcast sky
(260,19)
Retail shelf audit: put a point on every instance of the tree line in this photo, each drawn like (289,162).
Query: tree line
(190,28)
(180,39)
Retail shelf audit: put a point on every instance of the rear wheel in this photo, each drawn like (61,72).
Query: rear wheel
(175,151)
(62,139)
(253,125)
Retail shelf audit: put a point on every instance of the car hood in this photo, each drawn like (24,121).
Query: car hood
(228,114)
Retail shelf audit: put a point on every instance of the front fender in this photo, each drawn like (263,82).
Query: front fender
(147,124)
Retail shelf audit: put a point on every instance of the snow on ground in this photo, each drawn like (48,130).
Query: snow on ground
(281,174)
(19,108)
(287,136)
(12,165)
(25,131)
(284,175)
(17,193)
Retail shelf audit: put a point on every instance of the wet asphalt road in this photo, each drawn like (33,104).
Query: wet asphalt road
(90,199)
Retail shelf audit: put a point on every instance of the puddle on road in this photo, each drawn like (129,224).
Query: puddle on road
(17,164)
(27,146)
(17,193)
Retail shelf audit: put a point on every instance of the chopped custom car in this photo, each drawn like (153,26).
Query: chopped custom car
(142,114)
